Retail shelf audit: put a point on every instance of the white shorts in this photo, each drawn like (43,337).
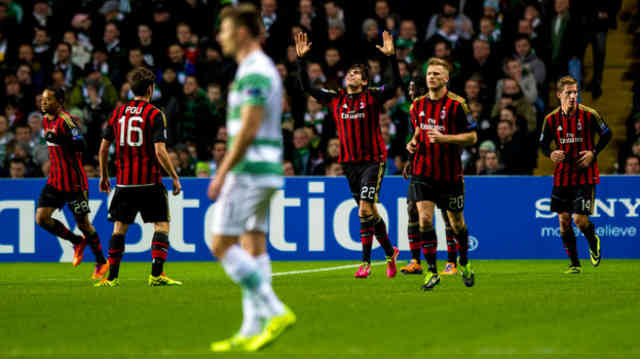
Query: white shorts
(241,207)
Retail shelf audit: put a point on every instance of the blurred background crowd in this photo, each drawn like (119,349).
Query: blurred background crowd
(506,56)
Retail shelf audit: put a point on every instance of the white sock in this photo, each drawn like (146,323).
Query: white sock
(265,293)
(264,264)
(251,321)
(241,267)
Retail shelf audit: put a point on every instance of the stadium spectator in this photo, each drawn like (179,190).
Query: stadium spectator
(492,165)
(334,169)
(17,168)
(512,96)
(632,165)
(287,169)
(218,150)
(529,59)
(513,70)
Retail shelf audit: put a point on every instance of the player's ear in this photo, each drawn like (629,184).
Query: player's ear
(150,91)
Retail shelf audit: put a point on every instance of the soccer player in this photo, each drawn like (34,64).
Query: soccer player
(67,182)
(138,131)
(573,127)
(363,153)
(442,126)
(417,88)
(246,180)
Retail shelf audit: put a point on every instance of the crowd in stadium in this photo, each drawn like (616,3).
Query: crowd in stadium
(506,56)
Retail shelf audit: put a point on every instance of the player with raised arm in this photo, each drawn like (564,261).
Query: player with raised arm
(573,127)
(356,111)
(138,131)
(247,179)
(442,126)
(67,182)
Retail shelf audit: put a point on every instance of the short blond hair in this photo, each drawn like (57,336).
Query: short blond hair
(439,62)
(565,81)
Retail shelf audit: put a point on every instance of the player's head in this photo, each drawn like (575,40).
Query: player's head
(357,76)
(437,73)
(568,91)
(142,80)
(52,100)
(238,26)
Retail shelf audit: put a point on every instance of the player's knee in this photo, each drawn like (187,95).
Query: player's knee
(365,211)
(582,222)
(43,219)
(219,247)
(565,223)
(161,227)
(425,220)
(458,226)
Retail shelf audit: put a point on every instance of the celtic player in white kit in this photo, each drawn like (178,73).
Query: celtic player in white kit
(247,179)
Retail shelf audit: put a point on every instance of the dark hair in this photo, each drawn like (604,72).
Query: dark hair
(420,84)
(58,93)
(140,80)
(217,142)
(14,159)
(244,15)
(68,45)
(364,69)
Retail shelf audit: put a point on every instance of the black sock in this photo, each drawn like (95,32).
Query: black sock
(590,234)
(380,231)
(116,250)
(58,229)
(159,248)
(569,241)
(366,237)
(429,247)
(414,240)
(96,247)
(463,242)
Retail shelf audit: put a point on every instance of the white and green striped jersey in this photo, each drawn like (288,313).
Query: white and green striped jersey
(257,82)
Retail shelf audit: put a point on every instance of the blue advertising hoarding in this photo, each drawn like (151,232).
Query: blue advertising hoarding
(315,218)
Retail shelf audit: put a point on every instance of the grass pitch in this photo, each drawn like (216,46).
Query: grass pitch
(517,308)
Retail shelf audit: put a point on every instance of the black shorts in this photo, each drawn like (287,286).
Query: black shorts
(78,202)
(578,199)
(364,180)
(151,201)
(446,195)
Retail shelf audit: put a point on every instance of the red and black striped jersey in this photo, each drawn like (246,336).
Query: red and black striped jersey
(356,116)
(572,135)
(357,120)
(134,128)
(450,115)
(66,173)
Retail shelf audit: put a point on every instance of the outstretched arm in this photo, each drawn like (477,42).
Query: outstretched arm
(388,49)
(302,48)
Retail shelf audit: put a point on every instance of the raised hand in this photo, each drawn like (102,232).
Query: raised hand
(302,46)
(387,47)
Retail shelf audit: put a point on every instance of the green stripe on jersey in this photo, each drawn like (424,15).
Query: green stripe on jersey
(251,81)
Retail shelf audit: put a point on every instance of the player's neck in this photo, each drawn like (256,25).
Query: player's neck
(245,51)
(437,94)
(141,98)
(569,110)
(354,90)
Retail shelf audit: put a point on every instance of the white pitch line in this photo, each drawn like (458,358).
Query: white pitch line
(327,269)
(277,274)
